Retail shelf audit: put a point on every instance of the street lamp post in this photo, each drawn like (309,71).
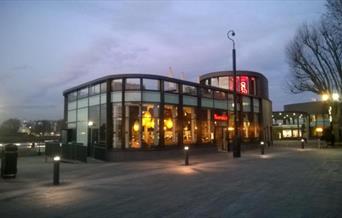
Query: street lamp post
(236,144)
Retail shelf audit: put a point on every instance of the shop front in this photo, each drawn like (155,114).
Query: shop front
(149,112)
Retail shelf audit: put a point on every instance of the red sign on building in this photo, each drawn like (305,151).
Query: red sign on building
(221,117)
(244,84)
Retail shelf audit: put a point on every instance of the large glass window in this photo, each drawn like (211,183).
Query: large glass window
(117,85)
(170,125)
(230,102)
(103,123)
(256,125)
(170,87)
(132,125)
(82,126)
(94,90)
(215,81)
(256,105)
(189,125)
(207,93)
(220,95)
(205,131)
(83,93)
(246,104)
(150,125)
(117,125)
(94,116)
(103,87)
(190,90)
(223,82)
(71,116)
(246,126)
(132,84)
(151,84)
(72,96)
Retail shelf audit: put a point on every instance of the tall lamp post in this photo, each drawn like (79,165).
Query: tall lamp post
(236,144)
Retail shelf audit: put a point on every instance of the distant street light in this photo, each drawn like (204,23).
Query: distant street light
(302,140)
(236,144)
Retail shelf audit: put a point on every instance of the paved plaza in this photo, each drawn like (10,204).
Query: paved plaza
(286,182)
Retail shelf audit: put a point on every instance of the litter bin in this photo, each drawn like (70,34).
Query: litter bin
(9,161)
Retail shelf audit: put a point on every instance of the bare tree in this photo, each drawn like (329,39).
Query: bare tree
(315,55)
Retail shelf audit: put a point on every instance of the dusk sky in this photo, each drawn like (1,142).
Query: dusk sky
(47,47)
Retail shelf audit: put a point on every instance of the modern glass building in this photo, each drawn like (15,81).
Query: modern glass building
(290,125)
(151,112)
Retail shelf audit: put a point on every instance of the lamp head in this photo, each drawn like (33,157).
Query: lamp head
(56,158)
(186,148)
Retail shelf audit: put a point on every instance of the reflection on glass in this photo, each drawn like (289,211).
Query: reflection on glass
(150,125)
(103,87)
(170,125)
(190,90)
(83,93)
(246,104)
(132,84)
(117,125)
(94,116)
(95,89)
(103,123)
(150,84)
(189,125)
(117,85)
(72,96)
(170,87)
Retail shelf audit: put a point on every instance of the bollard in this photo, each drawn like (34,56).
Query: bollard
(56,161)
(186,149)
(262,147)
(302,140)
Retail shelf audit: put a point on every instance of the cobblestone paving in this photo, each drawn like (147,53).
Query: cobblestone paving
(286,182)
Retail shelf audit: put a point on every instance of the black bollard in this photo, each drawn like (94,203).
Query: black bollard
(186,149)
(302,140)
(56,161)
(262,147)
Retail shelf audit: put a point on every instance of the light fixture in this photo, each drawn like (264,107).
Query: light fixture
(136,126)
(169,123)
(335,96)
(56,158)
(90,123)
(325,97)
(319,129)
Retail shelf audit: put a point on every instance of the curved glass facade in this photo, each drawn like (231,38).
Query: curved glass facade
(155,112)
